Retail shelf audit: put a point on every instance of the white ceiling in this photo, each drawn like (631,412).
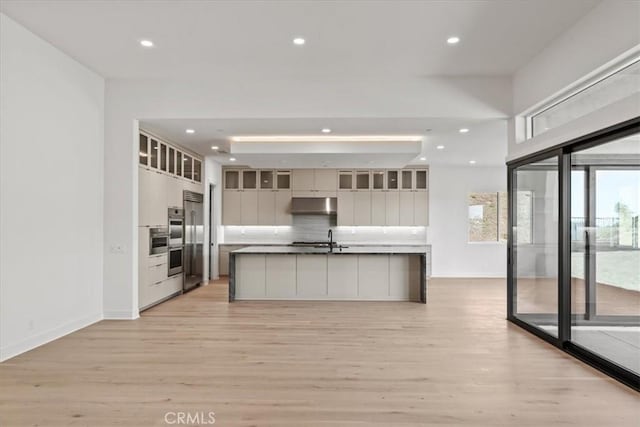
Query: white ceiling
(227,38)
(375,44)
(485,142)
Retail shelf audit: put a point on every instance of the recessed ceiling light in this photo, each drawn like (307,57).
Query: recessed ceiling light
(190,131)
(298,41)
(146,43)
(464,130)
(326,130)
(440,147)
(423,158)
(232,159)
(214,147)
(453,40)
(472,162)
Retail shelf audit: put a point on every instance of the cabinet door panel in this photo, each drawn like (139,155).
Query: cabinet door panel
(283,207)
(373,276)
(231,207)
(325,180)
(302,179)
(362,208)
(345,208)
(281,276)
(406,208)
(249,205)
(421,208)
(399,277)
(378,208)
(266,208)
(342,276)
(250,276)
(174,192)
(312,276)
(392,199)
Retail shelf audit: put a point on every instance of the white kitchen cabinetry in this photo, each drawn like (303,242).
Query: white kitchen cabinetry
(325,180)
(314,182)
(303,179)
(376,277)
(152,198)
(250,274)
(266,207)
(174,192)
(345,208)
(362,208)
(392,208)
(231,207)
(378,208)
(249,207)
(311,276)
(342,277)
(373,276)
(421,208)
(280,274)
(406,208)
(283,207)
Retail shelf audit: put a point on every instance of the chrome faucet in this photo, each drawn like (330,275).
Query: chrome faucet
(330,240)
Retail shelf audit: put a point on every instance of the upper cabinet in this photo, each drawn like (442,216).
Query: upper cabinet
(380,197)
(162,157)
(314,181)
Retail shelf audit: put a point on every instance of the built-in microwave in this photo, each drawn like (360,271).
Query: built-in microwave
(158,241)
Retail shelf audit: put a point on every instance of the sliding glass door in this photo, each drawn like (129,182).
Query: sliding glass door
(605,256)
(535,244)
(574,254)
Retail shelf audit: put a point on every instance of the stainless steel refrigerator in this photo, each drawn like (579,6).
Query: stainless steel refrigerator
(193,239)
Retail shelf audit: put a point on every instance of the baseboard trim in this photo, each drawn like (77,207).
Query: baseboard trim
(45,337)
(120,315)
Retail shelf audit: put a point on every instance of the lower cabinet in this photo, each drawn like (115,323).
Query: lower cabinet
(311,277)
(328,277)
(153,284)
(342,277)
(280,276)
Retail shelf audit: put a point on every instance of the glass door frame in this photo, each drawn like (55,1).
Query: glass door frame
(563,340)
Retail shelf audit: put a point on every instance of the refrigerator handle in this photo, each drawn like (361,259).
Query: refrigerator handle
(194,246)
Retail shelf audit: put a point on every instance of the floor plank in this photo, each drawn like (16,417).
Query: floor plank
(454,361)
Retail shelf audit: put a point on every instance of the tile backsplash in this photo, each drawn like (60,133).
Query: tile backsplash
(315,228)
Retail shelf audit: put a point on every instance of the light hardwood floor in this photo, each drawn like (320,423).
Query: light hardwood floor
(454,361)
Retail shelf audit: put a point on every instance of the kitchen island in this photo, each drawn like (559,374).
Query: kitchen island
(354,273)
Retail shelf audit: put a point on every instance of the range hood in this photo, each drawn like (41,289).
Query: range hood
(314,205)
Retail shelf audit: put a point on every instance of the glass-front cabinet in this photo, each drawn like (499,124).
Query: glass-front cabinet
(574,252)
(163,157)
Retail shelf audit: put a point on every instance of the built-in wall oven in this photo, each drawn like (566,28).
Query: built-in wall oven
(176,241)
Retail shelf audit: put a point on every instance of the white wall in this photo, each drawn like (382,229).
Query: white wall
(51,199)
(452,254)
(603,34)
(212,176)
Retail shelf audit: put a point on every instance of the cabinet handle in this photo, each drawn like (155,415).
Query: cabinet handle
(157,283)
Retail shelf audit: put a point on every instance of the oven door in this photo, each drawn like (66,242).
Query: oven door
(175,261)
(176,231)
